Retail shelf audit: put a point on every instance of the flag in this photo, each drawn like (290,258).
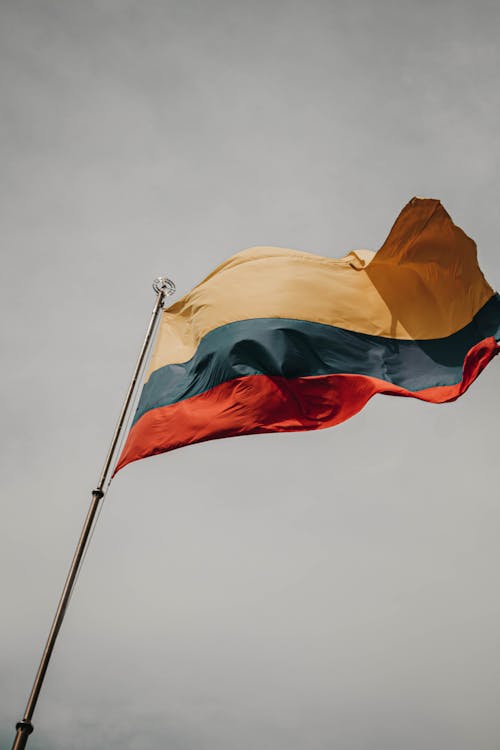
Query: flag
(278,340)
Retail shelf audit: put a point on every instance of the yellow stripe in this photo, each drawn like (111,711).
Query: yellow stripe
(423,283)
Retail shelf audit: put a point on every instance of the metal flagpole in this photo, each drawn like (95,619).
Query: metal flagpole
(163,287)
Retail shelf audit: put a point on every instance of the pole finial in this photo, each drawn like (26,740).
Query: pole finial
(165,285)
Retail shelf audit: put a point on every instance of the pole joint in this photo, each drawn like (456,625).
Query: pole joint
(98,494)
(25,726)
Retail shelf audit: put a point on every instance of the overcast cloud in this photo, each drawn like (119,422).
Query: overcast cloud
(336,589)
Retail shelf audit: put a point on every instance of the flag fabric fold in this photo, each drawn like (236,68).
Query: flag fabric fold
(278,340)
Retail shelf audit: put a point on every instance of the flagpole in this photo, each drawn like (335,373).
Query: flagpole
(163,287)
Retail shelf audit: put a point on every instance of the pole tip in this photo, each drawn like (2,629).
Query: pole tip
(163,285)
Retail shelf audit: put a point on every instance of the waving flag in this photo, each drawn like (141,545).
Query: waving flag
(277,340)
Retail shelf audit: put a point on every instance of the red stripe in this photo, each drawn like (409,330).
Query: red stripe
(259,403)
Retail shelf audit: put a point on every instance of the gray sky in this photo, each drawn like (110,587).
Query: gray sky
(336,589)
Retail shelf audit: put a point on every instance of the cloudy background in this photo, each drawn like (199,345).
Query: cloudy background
(281,592)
